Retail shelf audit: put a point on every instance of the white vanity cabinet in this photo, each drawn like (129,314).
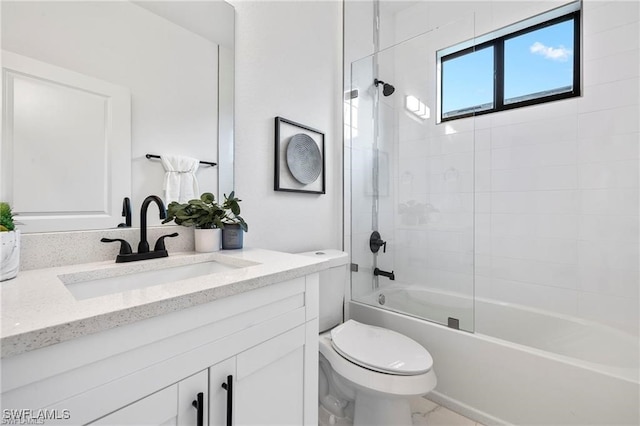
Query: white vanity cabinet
(264,341)
(267,382)
(169,406)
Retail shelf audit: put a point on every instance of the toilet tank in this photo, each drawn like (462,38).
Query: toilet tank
(333,282)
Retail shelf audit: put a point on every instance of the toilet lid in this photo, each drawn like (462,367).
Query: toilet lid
(380,349)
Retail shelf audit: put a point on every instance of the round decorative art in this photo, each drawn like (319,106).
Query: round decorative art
(304,159)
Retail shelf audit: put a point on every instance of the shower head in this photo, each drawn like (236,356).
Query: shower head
(387,89)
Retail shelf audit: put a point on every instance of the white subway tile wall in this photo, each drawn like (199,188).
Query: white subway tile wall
(557,227)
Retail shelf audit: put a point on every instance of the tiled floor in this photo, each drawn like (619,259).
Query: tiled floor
(424,412)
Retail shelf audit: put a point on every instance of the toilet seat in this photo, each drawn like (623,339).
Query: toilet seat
(373,381)
(379,349)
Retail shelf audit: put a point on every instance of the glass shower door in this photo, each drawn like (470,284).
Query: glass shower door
(412,189)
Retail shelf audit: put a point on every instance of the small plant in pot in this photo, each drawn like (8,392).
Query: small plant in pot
(205,215)
(10,244)
(234,224)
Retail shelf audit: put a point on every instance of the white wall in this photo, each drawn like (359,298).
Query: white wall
(556,185)
(170,71)
(288,64)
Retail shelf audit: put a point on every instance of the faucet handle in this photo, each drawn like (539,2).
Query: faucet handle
(376,241)
(125,247)
(160,242)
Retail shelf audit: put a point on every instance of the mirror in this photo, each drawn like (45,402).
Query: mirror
(174,59)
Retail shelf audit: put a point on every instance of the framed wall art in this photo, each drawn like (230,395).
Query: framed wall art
(299,158)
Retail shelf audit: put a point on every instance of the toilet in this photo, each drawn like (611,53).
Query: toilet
(366,373)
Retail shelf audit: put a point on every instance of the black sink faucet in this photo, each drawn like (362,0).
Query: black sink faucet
(159,250)
(143,245)
(126,213)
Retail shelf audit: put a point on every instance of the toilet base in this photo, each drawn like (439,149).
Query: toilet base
(380,410)
(326,418)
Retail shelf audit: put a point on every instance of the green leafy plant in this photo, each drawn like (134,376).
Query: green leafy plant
(231,207)
(203,213)
(6,218)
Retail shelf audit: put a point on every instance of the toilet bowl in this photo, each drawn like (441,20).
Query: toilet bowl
(377,371)
(366,373)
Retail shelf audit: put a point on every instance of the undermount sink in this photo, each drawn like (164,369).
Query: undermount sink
(94,287)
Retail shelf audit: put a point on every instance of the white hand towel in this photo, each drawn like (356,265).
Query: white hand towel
(180,183)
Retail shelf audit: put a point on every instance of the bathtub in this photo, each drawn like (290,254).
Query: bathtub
(523,366)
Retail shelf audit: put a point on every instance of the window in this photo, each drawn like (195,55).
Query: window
(528,63)
(468,92)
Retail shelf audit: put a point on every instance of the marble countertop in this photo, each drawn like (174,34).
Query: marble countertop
(38,310)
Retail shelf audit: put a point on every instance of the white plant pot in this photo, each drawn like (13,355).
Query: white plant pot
(207,240)
(9,254)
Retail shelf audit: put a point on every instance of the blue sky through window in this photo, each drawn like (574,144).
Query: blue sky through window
(539,61)
(467,81)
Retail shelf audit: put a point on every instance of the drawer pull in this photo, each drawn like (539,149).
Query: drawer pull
(228,386)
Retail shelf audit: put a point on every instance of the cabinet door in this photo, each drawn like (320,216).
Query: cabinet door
(160,408)
(169,406)
(269,382)
(188,408)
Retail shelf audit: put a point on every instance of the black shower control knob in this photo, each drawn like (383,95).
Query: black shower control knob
(375,242)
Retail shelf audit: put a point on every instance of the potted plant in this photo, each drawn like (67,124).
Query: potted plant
(205,215)
(10,244)
(234,224)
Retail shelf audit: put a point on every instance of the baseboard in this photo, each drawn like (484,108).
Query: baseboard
(465,410)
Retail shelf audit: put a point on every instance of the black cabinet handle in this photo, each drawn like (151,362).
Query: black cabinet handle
(228,386)
(199,405)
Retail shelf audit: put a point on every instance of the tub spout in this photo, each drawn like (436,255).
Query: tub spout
(391,275)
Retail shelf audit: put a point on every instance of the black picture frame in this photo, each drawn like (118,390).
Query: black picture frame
(283,178)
